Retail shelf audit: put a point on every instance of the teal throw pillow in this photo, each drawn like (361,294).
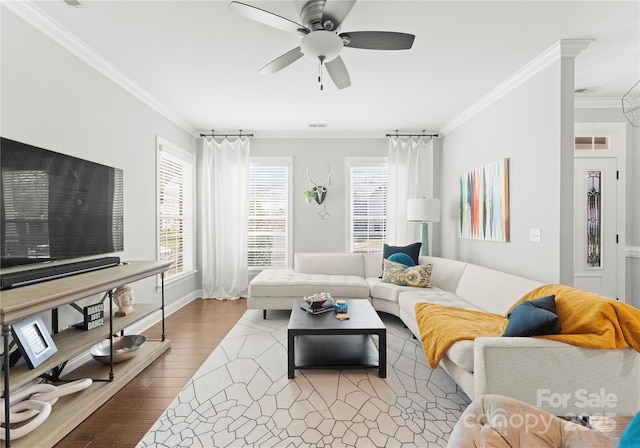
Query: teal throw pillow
(402,258)
(412,250)
(418,276)
(631,435)
(533,318)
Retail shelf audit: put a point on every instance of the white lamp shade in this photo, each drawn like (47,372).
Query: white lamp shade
(423,210)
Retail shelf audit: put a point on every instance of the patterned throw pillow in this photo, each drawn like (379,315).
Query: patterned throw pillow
(399,274)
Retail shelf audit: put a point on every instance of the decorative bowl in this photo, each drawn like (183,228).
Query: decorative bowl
(124,347)
(316,301)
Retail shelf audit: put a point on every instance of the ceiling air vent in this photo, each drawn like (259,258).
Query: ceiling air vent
(580,90)
(74,3)
(318,125)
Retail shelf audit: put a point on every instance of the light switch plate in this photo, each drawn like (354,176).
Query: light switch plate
(535,235)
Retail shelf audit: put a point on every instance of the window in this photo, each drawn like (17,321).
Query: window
(368,203)
(269,210)
(591,143)
(175,208)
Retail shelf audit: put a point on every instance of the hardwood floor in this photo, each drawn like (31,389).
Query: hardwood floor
(194,330)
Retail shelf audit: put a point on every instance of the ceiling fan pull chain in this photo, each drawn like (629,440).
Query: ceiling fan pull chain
(321,58)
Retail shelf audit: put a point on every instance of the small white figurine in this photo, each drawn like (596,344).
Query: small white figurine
(123,297)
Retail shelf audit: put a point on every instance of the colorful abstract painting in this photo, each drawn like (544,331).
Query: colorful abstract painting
(484,202)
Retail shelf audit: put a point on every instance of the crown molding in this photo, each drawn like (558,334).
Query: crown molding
(598,103)
(563,48)
(56,32)
(633,251)
(573,47)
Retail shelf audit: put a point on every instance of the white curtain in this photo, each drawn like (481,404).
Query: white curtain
(409,175)
(224,208)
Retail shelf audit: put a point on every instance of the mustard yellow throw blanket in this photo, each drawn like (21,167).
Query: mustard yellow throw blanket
(586,320)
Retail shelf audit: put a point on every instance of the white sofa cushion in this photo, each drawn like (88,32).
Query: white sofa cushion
(288,283)
(490,290)
(445,273)
(329,263)
(372,265)
(390,291)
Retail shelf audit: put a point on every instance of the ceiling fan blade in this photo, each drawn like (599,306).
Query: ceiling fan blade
(335,11)
(338,73)
(267,18)
(281,62)
(378,40)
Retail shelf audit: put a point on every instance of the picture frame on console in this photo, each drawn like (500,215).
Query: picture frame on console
(34,340)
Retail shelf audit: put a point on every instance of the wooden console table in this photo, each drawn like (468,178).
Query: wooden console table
(71,410)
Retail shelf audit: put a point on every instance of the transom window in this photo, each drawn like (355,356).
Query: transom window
(592,143)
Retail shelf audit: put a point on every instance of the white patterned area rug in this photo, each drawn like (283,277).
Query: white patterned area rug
(241,397)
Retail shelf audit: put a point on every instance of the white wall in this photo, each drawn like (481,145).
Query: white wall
(310,232)
(52,99)
(524,126)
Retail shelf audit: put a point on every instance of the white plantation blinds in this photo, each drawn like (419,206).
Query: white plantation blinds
(368,204)
(175,208)
(268,226)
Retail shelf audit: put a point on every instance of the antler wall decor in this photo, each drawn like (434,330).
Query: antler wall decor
(321,190)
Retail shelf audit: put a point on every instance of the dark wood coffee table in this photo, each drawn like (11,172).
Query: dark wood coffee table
(324,342)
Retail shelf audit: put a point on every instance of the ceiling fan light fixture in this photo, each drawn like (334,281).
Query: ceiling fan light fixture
(321,43)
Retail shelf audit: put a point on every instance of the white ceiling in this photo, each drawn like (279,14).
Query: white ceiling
(200,60)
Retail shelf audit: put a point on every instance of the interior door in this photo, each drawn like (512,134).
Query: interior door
(595,260)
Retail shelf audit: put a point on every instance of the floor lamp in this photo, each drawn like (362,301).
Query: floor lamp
(424,210)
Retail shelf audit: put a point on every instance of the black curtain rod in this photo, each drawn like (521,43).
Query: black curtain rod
(412,135)
(214,135)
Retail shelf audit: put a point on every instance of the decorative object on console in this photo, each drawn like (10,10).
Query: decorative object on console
(124,347)
(424,210)
(93,317)
(37,406)
(484,202)
(123,297)
(418,276)
(631,105)
(34,340)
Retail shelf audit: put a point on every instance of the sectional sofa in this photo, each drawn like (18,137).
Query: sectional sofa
(559,378)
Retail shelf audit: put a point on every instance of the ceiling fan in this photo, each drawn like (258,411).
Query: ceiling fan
(322,40)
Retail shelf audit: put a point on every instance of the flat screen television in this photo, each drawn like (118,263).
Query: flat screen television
(55,207)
